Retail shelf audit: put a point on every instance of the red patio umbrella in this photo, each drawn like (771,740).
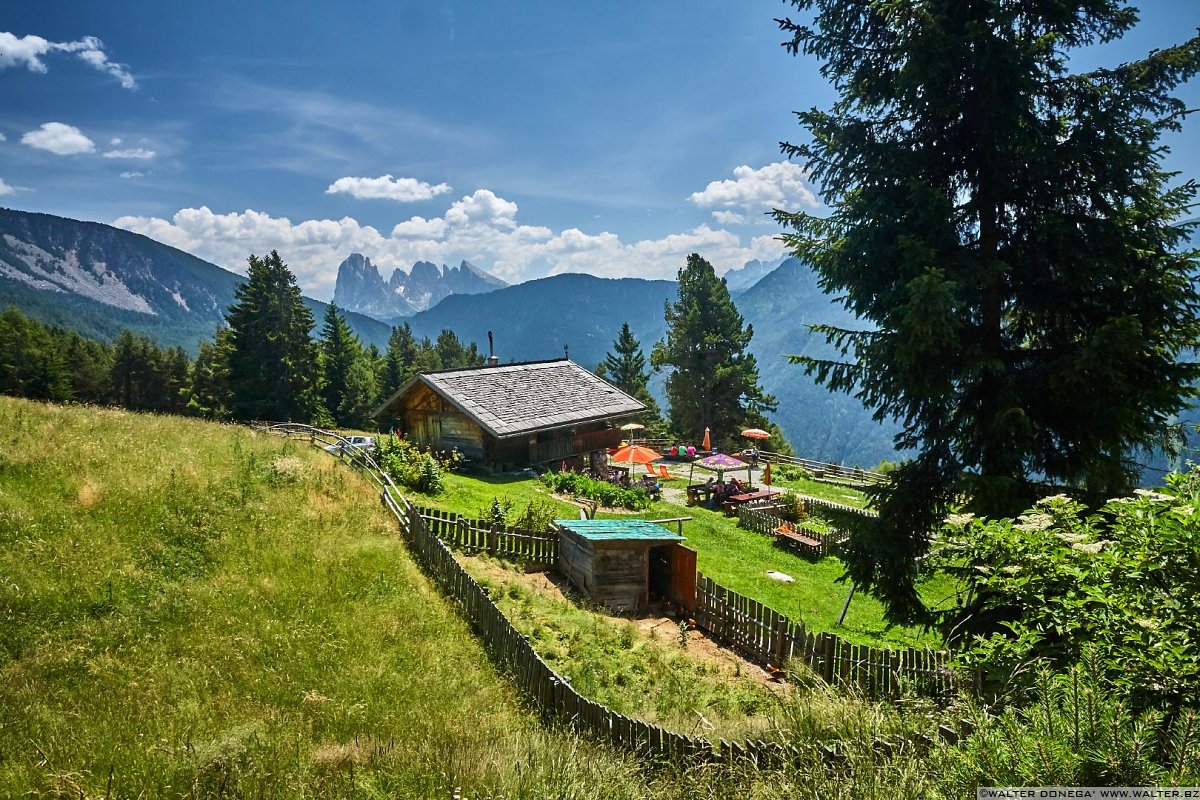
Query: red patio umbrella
(635,454)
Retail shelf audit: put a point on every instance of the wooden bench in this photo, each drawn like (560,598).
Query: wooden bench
(799,539)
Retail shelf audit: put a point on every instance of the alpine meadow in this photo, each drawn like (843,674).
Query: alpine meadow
(782,399)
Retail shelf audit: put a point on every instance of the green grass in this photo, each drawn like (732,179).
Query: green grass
(191,610)
(649,669)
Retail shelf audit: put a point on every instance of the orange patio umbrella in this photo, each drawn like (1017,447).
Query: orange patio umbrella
(767,474)
(707,443)
(635,454)
(756,433)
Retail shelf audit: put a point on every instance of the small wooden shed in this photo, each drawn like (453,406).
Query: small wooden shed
(627,564)
(513,415)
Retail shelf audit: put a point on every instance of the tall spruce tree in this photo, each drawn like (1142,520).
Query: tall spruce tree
(625,367)
(208,393)
(340,349)
(1007,232)
(273,363)
(713,380)
(399,359)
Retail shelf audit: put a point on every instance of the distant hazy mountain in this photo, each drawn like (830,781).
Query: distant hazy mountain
(361,288)
(820,424)
(98,280)
(533,320)
(742,278)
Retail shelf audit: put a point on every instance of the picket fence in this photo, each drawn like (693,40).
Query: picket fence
(761,519)
(484,536)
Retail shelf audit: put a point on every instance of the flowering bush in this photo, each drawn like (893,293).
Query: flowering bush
(1056,580)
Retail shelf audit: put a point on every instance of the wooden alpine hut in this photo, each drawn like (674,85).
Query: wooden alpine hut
(510,416)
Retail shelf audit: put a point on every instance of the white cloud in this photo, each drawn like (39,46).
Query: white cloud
(115,142)
(482,208)
(6,189)
(135,152)
(730,218)
(481,227)
(27,51)
(60,139)
(755,191)
(405,190)
(3,138)
(131,175)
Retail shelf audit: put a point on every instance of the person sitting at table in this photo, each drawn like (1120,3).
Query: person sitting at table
(650,484)
(716,492)
(736,487)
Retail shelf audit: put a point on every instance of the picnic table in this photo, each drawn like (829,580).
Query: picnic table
(735,500)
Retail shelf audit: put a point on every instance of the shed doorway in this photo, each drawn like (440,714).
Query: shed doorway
(671,575)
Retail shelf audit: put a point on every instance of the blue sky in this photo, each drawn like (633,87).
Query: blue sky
(530,138)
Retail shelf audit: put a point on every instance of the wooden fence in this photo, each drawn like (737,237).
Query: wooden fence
(825,471)
(754,630)
(479,535)
(761,519)
(765,636)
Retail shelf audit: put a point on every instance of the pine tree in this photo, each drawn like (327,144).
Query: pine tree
(88,364)
(340,349)
(31,362)
(358,396)
(208,393)
(399,360)
(713,381)
(625,368)
(273,363)
(1008,234)
(453,354)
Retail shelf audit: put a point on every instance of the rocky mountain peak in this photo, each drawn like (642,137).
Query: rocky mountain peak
(361,288)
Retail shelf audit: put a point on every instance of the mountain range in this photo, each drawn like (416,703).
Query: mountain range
(100,280)
(361,288)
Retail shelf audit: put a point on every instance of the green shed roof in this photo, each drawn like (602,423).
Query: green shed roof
(608,529)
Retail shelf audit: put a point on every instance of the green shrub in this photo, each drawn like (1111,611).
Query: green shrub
(1043,587)
(536,516)
(608,494)
(409,466)
(790,472)
(1075,732)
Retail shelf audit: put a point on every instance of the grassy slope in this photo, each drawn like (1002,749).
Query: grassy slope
(188,608)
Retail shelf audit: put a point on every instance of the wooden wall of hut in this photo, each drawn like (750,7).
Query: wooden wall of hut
(611,573)
(432,422)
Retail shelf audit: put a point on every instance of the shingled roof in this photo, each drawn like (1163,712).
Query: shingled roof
(516,399)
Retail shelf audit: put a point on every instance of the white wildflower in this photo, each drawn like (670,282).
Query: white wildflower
(1091,548)
(960,520)
(1033,522)
(1150,494)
